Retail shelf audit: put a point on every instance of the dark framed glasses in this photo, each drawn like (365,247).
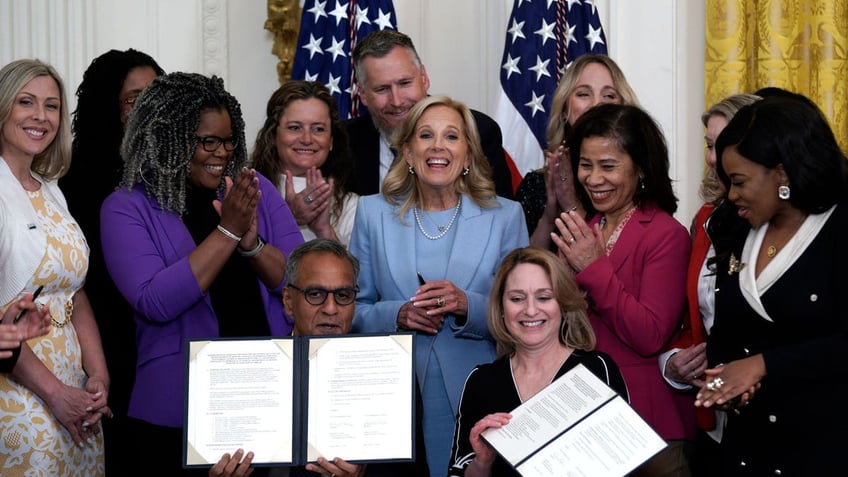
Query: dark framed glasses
(130,100)
(212,143)
(317,296)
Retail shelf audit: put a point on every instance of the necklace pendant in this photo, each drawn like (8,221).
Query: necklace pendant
(441,228)
(771,251)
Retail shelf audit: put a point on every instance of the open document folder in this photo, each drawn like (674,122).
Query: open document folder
(576,426)
(291,400)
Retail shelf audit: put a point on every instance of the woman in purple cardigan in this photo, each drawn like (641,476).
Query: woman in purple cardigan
(194,241)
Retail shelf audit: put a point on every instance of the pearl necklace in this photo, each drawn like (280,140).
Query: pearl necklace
(447,228)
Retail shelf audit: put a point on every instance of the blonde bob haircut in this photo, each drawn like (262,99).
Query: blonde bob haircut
(558,123)
(575,330)
(55,160)
(404,189)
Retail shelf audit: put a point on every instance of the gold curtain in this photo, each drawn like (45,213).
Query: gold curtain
(798,45)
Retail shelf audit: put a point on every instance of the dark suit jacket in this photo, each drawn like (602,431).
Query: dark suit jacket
(365,148)
(795,420)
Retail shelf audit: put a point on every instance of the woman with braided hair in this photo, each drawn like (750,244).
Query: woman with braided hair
(195,242)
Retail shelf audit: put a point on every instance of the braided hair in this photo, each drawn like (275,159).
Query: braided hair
(97,125)
(161,135)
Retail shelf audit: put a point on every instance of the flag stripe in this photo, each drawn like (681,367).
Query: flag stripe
(329,30)
(541,37)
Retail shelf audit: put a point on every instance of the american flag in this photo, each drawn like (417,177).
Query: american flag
(329,30)
(542,38)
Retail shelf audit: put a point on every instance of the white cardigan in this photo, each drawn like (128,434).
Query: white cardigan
(22,242)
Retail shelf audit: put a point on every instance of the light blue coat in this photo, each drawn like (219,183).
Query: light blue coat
(384,246)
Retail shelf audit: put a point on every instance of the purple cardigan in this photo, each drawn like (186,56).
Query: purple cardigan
(146,250)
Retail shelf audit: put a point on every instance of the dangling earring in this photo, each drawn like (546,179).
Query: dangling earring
(783,192)
(411,170)
(466,171)
(642,183)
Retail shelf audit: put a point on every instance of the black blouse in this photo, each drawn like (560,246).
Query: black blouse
(235,291)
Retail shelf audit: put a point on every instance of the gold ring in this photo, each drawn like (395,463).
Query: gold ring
(440,302)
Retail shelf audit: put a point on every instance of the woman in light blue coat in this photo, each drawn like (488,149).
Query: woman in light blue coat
(429,247)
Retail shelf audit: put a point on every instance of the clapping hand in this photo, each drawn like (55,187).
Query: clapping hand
(577,242)
(238,208)
(559,185)
(308,204)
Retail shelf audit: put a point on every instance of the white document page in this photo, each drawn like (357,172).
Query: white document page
(547,414)
(551,435)
(360,398)
(240,396)
(611,442)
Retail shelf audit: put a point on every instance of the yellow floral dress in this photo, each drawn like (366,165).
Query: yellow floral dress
(32,441)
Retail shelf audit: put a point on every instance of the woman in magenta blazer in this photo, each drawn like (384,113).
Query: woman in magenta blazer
(630,258)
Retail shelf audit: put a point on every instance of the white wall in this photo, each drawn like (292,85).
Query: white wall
(658,43)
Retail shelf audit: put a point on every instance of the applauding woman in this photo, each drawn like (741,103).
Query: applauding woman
(547,192)
(303,148)
(538,318)
(781,321)
(630,258)
(429,247)
(195,242)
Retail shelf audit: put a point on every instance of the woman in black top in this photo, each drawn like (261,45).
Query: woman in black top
(537,316)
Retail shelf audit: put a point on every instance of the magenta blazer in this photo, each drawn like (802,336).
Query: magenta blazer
(637,302)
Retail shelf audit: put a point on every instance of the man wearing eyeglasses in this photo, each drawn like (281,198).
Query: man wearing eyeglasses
(321,288)
(321,277)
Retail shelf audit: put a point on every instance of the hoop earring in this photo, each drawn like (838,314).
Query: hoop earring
(783,192)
